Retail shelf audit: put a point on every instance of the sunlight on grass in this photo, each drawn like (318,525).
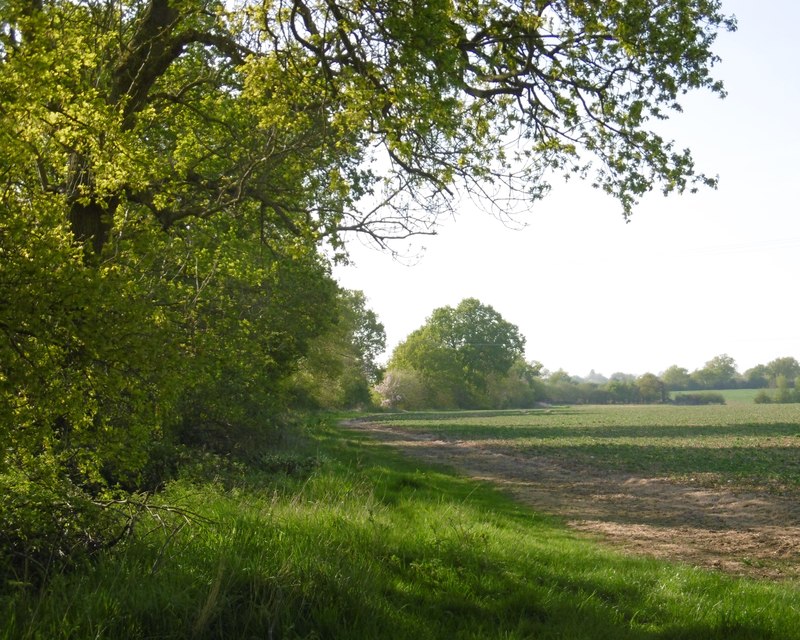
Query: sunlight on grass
(364,544)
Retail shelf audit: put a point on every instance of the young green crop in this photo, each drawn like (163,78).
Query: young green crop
(750,446)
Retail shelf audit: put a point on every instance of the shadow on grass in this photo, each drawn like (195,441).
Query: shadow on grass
(370,545)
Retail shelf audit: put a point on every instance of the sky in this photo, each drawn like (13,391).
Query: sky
(690,277)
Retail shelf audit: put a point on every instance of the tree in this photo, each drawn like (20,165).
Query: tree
(620,376)
(782,391)
(651,388)
(244,336)
(519,388)
(757,377)
(718,373)
(170,171)
(787,367)
(367,334)
(401,389)
(457,351)
(676,378)
(559,377)
(340,365)
(596,378)
(269,110)
(621,389)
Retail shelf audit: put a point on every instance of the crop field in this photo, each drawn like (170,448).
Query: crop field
(716,486)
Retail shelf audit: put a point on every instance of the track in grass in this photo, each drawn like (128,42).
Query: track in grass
(716,487)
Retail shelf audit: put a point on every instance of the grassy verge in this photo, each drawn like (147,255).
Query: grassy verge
(346,540)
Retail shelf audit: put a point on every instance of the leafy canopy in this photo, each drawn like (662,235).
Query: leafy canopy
(172,172)
(458,351)
(319,117)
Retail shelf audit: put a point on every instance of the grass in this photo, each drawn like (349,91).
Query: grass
(741,396)
(352,541)
(734,396)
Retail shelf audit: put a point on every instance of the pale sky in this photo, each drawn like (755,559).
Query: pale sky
(689,278)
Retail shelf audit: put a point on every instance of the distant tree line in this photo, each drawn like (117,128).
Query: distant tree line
(720,373)
(621,388)
(676,384)
(470,357)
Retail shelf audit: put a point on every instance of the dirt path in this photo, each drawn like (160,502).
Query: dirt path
(744,534)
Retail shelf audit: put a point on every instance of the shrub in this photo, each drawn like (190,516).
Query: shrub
(762,397)
(401,389)
(699,398)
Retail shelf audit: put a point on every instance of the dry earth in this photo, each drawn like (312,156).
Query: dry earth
(754,534)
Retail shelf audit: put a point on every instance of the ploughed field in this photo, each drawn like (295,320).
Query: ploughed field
(714,486)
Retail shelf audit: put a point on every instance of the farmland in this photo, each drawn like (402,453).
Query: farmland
(714,486)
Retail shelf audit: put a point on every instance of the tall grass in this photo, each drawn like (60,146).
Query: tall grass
(354,542)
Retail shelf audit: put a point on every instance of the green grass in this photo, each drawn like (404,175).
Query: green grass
(354,541)
(733,396)
(739,396)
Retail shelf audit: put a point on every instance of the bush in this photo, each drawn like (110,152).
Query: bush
(699,398)
(402,389)
(762,397)
(47,523)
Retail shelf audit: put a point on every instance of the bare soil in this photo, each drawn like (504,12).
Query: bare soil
(754,534)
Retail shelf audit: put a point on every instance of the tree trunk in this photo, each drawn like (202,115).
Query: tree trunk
(91,222)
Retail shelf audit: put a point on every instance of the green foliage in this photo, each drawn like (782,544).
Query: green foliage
(170,173)
(718,373)
(192,337)
(247,330)
(561,388)
(762,397)
(79,341)
(756,377)
(459,352)
(782,394)
(402,389)
(706,397)
(676,378)
(650,388)
(340,365)
(520,388)
(782,390)
(787,367)
(44,521)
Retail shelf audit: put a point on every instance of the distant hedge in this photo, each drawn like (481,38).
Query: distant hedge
(699,398)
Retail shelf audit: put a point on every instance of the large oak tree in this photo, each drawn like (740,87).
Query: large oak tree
(274,109)
(170,169)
